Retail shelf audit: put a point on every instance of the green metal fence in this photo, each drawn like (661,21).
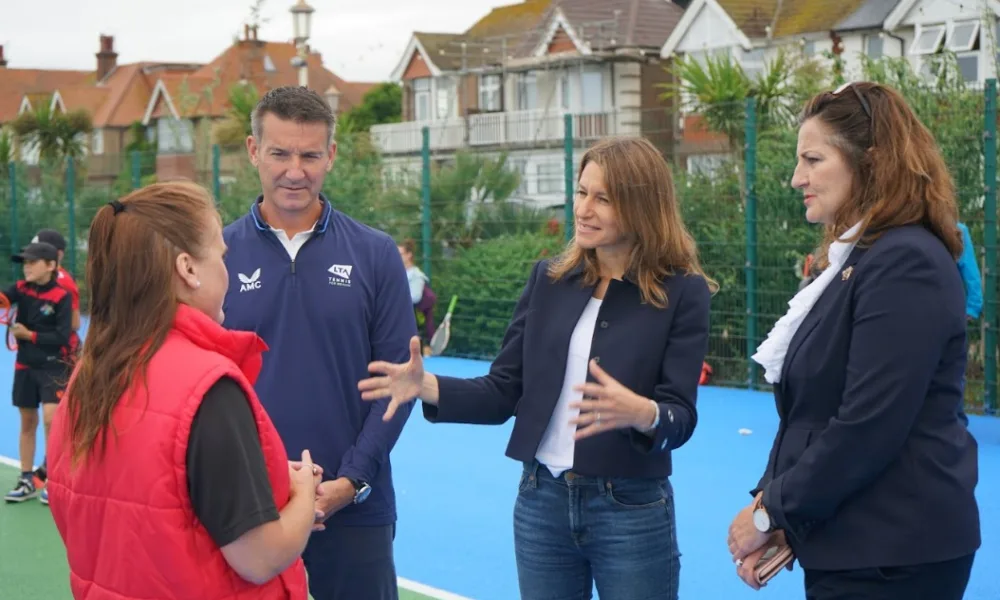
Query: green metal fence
(483,198)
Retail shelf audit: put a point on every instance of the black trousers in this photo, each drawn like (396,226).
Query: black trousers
(352,563)
(933,581)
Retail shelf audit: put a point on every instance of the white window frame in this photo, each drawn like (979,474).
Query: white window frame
(916,50)
(446,97)
(950,44)
(422,90)
(754,62)
(489,92)
(97,142)
(550,182)
(174,136)
(869,40)
(976,54)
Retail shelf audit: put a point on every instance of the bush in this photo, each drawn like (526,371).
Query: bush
(488,279)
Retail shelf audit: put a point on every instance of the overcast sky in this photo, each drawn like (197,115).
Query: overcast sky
(361,40)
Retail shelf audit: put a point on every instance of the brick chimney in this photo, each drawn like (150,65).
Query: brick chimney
(3,61)
(107,58)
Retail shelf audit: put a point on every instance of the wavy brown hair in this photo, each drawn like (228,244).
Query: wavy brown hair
(900,177)
(641,190)
(130,279)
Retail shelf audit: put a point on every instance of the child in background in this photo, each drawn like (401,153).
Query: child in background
(43,329)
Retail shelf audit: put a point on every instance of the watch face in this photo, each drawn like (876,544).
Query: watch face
(362,494)
(761,521)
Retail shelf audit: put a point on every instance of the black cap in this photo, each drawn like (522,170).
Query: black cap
(50,236)
(36,251)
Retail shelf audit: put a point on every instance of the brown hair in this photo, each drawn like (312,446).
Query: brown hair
(641,191)
(293,103)
(900,177)
(409,245)
(133,246)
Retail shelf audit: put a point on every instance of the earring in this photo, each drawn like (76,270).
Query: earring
(197,284)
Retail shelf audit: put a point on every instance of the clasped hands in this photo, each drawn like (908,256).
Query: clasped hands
(329,496)
(747,544)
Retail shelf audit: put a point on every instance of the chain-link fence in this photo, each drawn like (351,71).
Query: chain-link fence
(483,199)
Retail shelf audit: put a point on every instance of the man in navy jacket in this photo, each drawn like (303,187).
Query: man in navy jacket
(328,295)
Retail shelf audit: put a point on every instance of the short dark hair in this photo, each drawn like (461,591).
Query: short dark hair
(293,103)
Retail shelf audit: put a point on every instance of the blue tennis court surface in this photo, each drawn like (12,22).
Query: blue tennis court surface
(456,491)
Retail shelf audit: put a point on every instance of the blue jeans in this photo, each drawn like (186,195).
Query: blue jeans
(573,531)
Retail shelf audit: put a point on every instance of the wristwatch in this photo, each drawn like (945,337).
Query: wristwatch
(761,520)
(361,490)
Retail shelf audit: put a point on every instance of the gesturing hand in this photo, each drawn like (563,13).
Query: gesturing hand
(613,406)
(400,382)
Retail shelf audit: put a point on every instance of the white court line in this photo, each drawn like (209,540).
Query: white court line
(427,590)
(408,584)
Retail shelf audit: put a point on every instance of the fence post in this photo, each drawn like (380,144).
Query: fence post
(12,172)
(750,171)
(136,169)
(71,207)
(568,172)
(425,186)
(216,168)
(990,241)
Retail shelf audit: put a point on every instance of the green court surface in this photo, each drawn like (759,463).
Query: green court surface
(32,558)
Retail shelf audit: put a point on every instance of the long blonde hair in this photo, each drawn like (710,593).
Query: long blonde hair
(641,190)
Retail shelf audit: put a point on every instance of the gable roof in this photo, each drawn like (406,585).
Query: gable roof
(16,83)
(525,29)
(769,19)
(903,8)
(789,17)
(131,92)
(870,15)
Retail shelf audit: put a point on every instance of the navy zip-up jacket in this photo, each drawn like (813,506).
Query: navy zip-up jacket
(342,303)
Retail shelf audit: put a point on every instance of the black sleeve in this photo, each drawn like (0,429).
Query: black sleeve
(64,324)
(227,475)
(13,294)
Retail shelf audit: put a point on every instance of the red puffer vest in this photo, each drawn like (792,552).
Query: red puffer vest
(127,520)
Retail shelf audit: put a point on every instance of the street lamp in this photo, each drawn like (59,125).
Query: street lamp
(301,24)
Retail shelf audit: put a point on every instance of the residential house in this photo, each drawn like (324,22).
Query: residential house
(507,82)
(176,104)
(751,33)
(921,29)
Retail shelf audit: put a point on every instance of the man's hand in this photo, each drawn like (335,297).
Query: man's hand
(332,496)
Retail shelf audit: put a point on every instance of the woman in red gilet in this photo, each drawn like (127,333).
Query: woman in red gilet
(166,479)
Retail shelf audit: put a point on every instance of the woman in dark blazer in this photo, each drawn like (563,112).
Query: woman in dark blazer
(600,366)
(872,474)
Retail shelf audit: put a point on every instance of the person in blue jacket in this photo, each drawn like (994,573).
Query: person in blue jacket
(970,276)
(328,295)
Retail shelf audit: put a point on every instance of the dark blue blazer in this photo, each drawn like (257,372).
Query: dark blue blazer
(657,353)
(873,465)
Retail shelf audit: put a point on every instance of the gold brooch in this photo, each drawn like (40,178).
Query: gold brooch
(846,273)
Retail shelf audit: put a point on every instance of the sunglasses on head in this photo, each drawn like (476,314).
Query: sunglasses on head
(864,103)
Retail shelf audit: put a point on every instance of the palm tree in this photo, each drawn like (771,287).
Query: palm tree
(53,135)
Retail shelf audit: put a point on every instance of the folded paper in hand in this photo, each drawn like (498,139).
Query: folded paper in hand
(778,556)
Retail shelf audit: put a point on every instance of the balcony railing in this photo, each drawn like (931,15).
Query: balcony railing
(514,128)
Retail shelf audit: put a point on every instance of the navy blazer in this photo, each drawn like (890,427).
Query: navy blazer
(656,353)
(872,465)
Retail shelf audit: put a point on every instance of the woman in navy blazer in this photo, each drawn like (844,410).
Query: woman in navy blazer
(600,367)
(872,475)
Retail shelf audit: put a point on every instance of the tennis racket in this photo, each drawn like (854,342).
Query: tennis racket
(439,341)
(8,316)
